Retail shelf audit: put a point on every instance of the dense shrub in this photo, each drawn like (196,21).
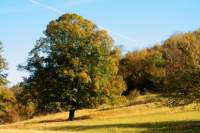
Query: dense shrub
(10,116)
(25,105)
(7,103)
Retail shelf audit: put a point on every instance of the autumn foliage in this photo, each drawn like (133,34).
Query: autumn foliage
(172,69)
(76,65)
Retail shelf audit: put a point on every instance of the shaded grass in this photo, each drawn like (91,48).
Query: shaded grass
(163,127)
(155,127)
(64,120)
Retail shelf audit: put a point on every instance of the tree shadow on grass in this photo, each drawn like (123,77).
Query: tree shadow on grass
(85,117)
(157,127)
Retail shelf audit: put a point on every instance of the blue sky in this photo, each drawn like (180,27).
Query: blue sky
(135,23)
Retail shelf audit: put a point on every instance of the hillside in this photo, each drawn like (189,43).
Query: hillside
(149,117)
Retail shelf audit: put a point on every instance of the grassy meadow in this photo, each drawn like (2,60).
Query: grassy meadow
(128,66)
(148,117)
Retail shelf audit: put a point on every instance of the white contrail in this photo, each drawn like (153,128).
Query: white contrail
(118,34)
(58,11)
(47,7)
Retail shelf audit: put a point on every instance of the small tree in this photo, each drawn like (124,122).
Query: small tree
(7,98)
(3,67)
(73,66)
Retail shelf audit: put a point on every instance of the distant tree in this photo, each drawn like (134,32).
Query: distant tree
(7,98)
(73,67)
(3,67)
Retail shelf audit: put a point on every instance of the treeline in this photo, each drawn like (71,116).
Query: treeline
(171,68)
(77,66)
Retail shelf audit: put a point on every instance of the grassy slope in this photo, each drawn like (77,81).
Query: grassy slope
(149,118)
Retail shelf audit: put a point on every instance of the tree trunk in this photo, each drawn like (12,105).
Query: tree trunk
(71,115)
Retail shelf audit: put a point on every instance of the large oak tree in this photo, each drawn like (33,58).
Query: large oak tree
(74,66)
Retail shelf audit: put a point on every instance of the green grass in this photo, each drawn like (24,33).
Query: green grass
(143,118)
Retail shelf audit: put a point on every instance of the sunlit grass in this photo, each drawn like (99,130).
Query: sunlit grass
(148,117)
